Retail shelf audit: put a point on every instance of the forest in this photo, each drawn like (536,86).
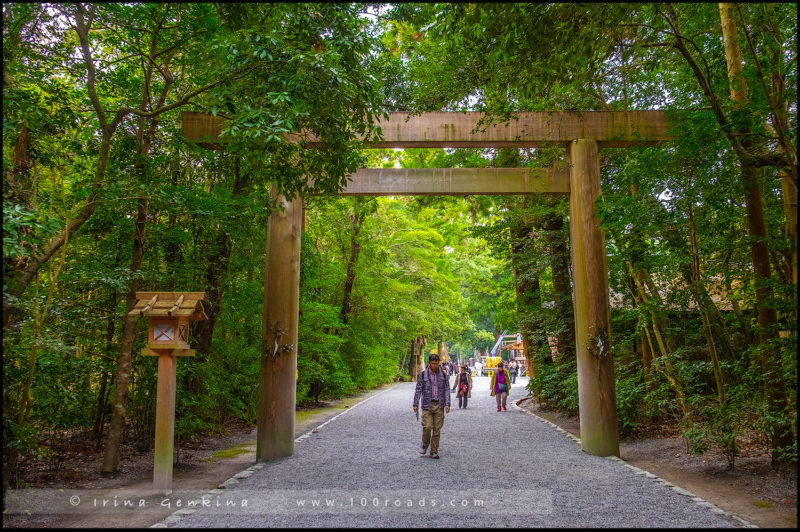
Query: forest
(103,197)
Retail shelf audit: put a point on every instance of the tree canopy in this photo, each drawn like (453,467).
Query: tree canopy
(102,197)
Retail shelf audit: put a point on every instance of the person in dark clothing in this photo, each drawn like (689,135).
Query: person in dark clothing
(512,371)
(463,383)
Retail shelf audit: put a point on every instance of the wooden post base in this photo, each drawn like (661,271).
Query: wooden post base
(165,424)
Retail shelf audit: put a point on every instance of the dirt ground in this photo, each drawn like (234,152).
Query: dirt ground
(752,490)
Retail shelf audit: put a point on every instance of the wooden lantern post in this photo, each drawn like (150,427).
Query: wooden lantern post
(167,338)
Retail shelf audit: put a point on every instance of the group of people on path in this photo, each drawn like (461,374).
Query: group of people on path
(433,392)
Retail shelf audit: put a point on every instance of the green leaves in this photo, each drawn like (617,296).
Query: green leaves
(419,272)
(24,231)
(308,69)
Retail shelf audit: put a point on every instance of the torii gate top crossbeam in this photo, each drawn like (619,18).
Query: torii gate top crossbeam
(456,181)
(611,129)
(525,130)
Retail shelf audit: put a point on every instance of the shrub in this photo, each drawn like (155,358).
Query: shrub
(630,392)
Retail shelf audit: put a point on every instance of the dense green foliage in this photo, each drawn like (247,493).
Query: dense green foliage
(418,270)
(674,218)
(94,165)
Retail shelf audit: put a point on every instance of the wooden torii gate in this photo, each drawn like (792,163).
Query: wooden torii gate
(580,133)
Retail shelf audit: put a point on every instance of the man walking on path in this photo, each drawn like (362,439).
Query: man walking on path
(433,387)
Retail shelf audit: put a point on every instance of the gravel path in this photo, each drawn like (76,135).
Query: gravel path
(362,469)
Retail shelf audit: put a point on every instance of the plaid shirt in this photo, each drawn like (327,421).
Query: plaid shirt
(424,389)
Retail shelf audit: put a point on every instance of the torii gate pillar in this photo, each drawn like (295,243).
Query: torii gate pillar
(597,402)
(278,387)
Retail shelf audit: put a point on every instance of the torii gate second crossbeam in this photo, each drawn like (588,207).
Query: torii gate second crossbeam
(580,133)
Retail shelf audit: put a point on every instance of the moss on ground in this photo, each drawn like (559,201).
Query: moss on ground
(762,504)
(230,452)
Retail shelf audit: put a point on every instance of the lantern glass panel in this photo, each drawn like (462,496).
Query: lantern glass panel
(164,332)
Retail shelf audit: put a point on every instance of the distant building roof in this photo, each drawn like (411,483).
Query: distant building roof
(510,347)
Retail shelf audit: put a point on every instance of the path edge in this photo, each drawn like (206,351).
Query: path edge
(197,503)
(677,489)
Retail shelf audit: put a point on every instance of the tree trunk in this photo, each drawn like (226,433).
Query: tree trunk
(530,343)
(733,56)
(215,280)
(216,275)
(97,430)
(17,179)
(413,364)
(102,397)
(172,250)
(559,264)
(417,363)
(421,346)
(527,286)
(647,352)
(789,192)
(668,372)
(744,323)
(774,386)
(111,457)
(788,182)
(696,284)
(528,312)
(402,367)
(356,221)
(643,276)
(691,275)
(17,176)
(526,343)
(637,258)
(26,395)
(144,138)
(647,357)
(145,133)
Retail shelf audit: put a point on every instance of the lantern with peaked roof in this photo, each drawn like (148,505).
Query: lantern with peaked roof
(167,338)
(170,314)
